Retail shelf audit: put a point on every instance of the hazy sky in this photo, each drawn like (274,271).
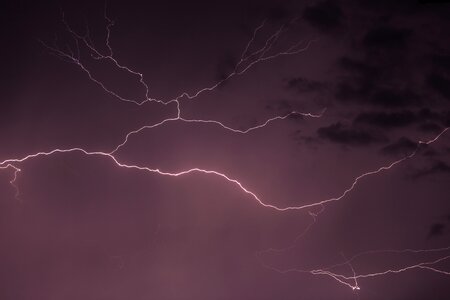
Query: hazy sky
(82,227)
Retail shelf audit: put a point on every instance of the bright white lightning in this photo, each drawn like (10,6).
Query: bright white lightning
(247,61)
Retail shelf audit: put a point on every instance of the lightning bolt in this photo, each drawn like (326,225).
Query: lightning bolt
(248,59)
(246,62)
(347,280)
(215,122)
(12,182)
(12,163)
(425,265)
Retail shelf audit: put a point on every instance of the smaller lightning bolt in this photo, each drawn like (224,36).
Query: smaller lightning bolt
(346,280)
(314,218)
(427,265)
(245,63)
(311,272)
(261,56)
(12,162)
(391,251)
(214,122)
(370,173)
(14,179)
(356,285)
(253,58)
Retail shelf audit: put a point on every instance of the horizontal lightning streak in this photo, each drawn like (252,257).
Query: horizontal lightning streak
(12,162)
(311,272)
(427,265)
(247,60)
(214,122)
(344,279)
(260,55)
(390,251)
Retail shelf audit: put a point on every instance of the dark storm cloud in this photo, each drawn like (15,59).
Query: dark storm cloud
(430,152)
(436,229)
(340,134)
(440,84)
(301,139)
(359,68)
(282,106)
(402,147)
(304,85)
(386,120)
(369,82)
(427,114)
(445,118)
(441,62)
(226,65)
(363,92)
(348,93)
(325,16)
(382,69)
(430,127)
(390,7)
(438,167)
(390,97)
(381,60)
(276,12)
(360,78)
(386,38)
(431,119)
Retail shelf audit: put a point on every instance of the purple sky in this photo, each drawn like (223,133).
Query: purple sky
(82,227)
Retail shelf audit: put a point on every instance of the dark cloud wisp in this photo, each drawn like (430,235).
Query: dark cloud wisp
(341,134)
(326,16)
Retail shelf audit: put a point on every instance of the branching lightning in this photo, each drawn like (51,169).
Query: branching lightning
(351,281)
(247,60)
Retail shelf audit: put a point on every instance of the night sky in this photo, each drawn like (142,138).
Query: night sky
(224,150)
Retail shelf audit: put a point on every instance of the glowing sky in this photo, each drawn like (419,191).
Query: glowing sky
(224,150)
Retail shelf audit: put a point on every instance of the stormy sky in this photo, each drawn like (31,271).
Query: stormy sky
(77,77)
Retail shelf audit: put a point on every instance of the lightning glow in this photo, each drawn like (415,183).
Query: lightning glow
(247,60)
